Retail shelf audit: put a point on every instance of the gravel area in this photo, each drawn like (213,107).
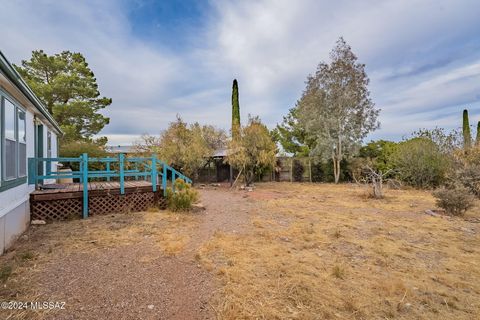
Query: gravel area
(135,280)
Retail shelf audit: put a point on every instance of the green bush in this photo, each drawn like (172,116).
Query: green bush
(420,163)
(183,197)
(455,201)
(298,170)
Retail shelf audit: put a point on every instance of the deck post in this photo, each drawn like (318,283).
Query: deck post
(121,161)
(154,173)
(136,171)
(173,180)
(108,170)
(85,185)
(164,179)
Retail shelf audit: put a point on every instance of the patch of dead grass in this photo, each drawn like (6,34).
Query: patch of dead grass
(341,255)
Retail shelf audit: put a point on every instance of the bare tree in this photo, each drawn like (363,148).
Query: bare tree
(335,109)
(376,178)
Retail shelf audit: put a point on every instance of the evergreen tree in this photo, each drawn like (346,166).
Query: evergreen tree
(235,110)
(67,86)
(478,134)
(467,138)
(291,136)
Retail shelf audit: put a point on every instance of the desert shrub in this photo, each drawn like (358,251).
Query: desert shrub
(419,162)
(298,170)
(466,170)
(183,197)
(455,201)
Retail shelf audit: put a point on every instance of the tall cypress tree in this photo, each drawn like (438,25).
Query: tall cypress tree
(467,138)
(235,110)
(478,134)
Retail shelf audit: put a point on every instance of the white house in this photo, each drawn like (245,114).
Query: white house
(27,130)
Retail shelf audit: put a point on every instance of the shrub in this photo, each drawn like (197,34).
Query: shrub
(421,163)
(298,170)
(182,198)
(455,201)
(467,169)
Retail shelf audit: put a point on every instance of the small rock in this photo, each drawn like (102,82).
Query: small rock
(25,237)
(467,230)
(38,222)
(150,306)
(199,206)
(431,213)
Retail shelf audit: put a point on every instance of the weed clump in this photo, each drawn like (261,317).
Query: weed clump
(5,272)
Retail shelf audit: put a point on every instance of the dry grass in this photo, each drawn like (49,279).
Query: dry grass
(308,252)
(327,252)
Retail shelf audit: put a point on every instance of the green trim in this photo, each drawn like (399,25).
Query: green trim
(13,183)
(15,77)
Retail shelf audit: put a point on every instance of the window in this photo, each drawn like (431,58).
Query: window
(49,144)
(22,143)
(10,141)
(14,153)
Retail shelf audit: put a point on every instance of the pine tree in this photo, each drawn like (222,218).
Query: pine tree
(467,138)
(67,86)
(235,110)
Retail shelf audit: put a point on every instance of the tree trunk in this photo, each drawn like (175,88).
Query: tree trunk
(336,168)
(337,173)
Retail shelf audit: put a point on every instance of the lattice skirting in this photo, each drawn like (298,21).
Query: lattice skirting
(64,209)
(61,209)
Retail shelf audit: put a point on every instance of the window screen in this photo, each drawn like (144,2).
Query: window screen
(9,111)
(10,159)
(22,159)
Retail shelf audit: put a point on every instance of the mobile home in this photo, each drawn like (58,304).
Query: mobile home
(27,130)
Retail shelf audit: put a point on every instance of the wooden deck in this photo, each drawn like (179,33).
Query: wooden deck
(95,188)
(64,201)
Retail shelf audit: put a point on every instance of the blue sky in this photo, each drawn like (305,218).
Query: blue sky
(157,59)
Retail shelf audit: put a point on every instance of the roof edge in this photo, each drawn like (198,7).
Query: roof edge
(15,77)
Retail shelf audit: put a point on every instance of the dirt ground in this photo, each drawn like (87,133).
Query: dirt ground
(283,251)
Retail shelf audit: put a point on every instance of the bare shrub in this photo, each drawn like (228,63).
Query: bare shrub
(455,201)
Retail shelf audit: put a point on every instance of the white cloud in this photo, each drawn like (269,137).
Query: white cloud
(423,58)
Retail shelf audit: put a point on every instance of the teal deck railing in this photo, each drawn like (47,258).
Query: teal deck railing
(147,168)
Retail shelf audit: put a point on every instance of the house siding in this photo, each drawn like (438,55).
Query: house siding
(14,198)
